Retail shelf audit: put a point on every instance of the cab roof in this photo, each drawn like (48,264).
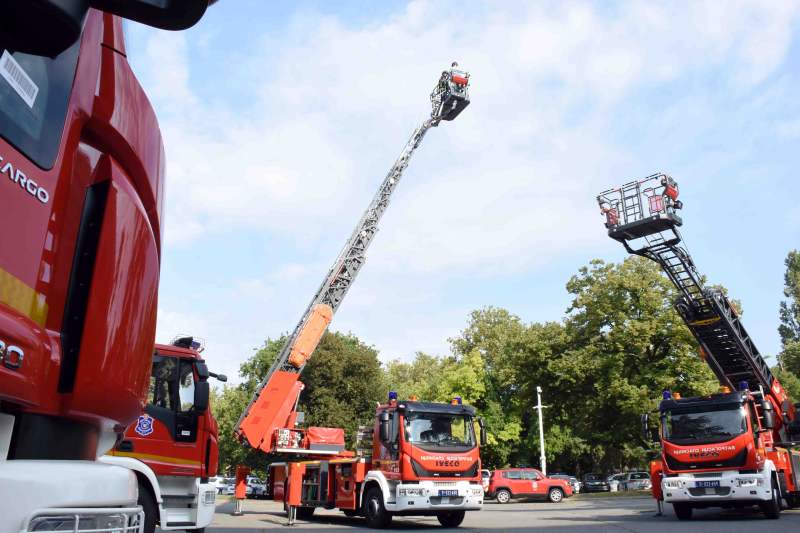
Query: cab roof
(722,400)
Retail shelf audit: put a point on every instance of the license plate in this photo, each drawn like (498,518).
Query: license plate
(448,493)
(706,484)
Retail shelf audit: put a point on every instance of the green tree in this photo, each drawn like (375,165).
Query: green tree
(789,328)
(626,344)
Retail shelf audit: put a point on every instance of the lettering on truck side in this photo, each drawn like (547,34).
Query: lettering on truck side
(27,184)
(697,453)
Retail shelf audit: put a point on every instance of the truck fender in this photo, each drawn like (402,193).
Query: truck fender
(374,476)
(142,471)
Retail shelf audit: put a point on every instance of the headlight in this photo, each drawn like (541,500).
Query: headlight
(749,482)
(412,491)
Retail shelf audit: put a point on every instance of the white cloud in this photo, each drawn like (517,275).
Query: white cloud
(506,188)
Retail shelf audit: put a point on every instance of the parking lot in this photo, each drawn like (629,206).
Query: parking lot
(580,513)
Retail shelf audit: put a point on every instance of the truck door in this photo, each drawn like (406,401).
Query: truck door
(165,435)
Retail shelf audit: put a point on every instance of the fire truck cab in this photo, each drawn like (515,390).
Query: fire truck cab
(173,445)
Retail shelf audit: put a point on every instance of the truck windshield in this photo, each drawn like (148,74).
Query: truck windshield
(34,92)
(703,427)
(437,429)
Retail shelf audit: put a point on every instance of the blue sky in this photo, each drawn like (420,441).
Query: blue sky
(281,118)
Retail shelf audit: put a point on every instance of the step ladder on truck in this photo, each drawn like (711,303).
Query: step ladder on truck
(81,196)
(417,458)
(737,448)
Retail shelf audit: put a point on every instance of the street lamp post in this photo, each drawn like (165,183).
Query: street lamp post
(539,407)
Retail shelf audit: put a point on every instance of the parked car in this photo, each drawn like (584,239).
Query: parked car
(485,476)
(614,481)
(230,490)
(595,483)
(636,481)
(256,488)
(572,480)
(218,482)
(526,482)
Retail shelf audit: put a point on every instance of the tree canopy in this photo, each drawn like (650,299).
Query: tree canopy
(618,345)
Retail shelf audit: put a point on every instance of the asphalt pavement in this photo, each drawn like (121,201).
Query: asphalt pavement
(612,514)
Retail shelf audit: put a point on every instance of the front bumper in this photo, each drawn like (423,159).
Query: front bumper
(437,496)
(33,492)
(733,486)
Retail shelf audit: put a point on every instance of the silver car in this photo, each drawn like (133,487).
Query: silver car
(636,481)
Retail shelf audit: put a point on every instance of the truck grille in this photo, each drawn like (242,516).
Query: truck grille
(452,500)
(716,491)
(444,483)
(96,520)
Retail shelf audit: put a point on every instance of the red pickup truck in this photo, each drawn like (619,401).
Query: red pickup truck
(527,483)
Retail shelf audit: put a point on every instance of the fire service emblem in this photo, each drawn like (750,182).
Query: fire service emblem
(144,426)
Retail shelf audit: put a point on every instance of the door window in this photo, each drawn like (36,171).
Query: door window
(186,387)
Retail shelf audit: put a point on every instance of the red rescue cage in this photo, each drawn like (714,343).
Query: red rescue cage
(642,209)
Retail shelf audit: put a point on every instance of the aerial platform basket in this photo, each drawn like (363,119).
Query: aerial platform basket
(451,94)
(643,209)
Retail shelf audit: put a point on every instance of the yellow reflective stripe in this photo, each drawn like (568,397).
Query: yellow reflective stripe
(18,295)
(162,458)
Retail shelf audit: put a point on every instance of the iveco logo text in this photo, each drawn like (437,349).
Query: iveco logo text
(27,184)
(11,356)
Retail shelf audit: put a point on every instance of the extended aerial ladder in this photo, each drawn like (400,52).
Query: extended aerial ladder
(642,215)
(268,421)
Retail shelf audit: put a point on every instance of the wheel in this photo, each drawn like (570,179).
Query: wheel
(772,508)
(451,518)
(350,513)
(503,496)
(555,495)
(304,513)
(149,507)
(376,514)
(683,511)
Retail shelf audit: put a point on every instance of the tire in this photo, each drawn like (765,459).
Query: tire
(683,511)
(149,507)
(772,508)
(304,513)
(451,518)
(375,513)
(503,496)
(555,495)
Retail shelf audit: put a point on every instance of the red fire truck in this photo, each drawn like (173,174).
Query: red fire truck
(173,446)
(81,191)
(425,458)
(732,449)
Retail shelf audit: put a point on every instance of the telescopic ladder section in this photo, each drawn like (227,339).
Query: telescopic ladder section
(276,396)
(642,216)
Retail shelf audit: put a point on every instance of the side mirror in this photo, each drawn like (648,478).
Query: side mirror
(220,377)
(202,370)
(162,14)
(385,427)
(482,425)
(767,414)
(201,393)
